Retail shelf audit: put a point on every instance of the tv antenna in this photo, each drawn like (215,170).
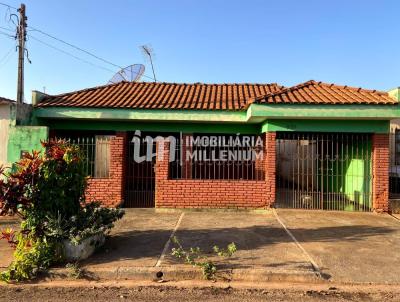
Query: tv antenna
(131,73)
(148,51)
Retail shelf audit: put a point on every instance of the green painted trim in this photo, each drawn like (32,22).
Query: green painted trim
(142,115)
(154,127)
(256,113)
(359,126)
(289,111)
(24,138)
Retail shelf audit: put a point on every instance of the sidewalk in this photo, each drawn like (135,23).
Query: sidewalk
(265,251)
(294,246)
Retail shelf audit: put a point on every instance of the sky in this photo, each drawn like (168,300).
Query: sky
(354,43)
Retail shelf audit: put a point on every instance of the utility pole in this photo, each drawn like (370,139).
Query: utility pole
(21,34)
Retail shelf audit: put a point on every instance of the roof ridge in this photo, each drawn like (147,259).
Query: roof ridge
(353,88)
(86,89)
(161,83)
(6,100)
(320,83)
(285,89)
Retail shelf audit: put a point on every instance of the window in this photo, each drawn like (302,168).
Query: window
(96,149)
(219,156)
(102,156)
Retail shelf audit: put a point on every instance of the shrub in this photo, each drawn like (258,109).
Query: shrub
(47,192)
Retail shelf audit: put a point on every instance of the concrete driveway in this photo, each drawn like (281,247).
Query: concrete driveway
(345,247)
(139,240)
(349,247)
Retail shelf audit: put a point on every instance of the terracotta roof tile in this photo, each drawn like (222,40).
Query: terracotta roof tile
(313,92)
(4,101)
(200,96)
(146,95)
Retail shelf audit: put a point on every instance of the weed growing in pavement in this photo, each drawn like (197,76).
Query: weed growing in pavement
(74,270)
(197,258)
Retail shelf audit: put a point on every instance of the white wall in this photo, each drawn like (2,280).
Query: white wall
(4,127)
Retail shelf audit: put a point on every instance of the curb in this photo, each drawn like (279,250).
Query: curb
(188,273)
(214,210)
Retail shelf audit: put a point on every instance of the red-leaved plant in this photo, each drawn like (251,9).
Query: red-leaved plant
(43,184)
(16,190)
(9,235)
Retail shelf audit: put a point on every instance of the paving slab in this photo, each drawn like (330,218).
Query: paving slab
(348,246)
(136,241)
(261,241)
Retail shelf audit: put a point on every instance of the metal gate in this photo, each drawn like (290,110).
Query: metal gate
(140,178)
(326,171)
(394,166)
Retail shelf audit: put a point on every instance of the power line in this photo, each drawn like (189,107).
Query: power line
(81,49)
(7,34)
(76,47)
(69,54)
(6,55)
(70,45)
(4,60)
(7,5)
(5,28)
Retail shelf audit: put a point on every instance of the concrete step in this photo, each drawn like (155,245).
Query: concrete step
(189,273)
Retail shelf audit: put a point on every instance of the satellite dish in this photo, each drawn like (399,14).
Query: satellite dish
(132,73)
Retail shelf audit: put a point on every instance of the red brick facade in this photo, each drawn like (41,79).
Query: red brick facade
(195,193)
(270,167)
(380,172)
(110,191)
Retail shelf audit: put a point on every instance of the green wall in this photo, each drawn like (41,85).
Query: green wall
(356,126)
(351,174)
(25,138)
(153,126)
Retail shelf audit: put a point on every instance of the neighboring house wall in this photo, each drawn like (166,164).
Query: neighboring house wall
(25,138)
(394,125)
(16,138)
(4,129)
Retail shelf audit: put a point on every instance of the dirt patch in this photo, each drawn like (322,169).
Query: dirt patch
(173,293)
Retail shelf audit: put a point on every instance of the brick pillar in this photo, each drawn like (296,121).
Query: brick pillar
(161,171)
(270,167)
(120,148)
(380,172)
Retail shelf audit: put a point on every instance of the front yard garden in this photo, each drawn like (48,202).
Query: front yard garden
(47,191)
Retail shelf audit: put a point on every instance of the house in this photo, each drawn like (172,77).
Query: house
(394,150)
(6,106)
(17,134)
(167,145)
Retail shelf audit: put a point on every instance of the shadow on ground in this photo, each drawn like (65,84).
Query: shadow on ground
(136,245)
